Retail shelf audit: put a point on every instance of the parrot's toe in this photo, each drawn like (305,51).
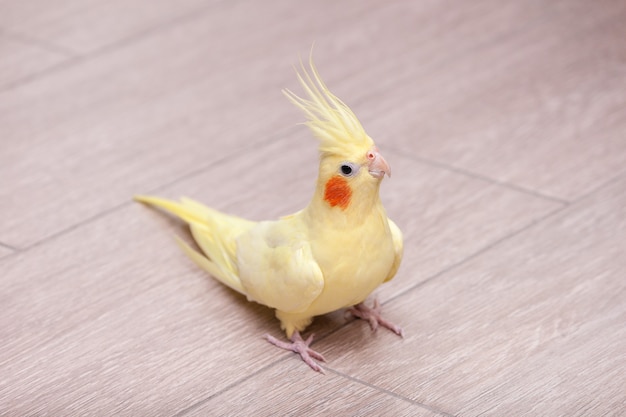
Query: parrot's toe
(373,316)
(301,347)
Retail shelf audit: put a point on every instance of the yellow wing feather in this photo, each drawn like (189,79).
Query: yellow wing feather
(214,232)
(398,246)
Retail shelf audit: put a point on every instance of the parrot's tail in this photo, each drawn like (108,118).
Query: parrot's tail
(214,232)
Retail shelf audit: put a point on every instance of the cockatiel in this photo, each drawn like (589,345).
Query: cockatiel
(328,256)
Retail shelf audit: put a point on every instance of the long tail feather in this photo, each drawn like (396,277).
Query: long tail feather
(212,268)
(213,231)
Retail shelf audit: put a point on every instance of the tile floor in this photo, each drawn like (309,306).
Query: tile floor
(505,125)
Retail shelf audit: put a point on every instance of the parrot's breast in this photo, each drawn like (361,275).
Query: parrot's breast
(354,263)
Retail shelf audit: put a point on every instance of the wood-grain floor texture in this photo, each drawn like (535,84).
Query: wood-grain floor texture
(504,123)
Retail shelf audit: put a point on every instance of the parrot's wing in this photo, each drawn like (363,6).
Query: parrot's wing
(214,232)
(276,266)
(398,246)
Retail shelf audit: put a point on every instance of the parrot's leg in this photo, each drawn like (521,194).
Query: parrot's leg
(300,347)
(373,316)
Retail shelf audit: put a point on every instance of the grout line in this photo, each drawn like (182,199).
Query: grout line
(529,191)
(443,272)
(38,74)
(282,134)
(103,50)
(77,225)
(391,393)
(504,238)
(409,289)
(13,248)
(78,57)
(479,252)
(49,46)
(435,65)
(471,174)
(507,35)
(431,278)
(599,187)
(229,387)
(192,15)
(259,371)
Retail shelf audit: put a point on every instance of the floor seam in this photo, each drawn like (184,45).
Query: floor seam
(286,357)
(69,62)
(479,252)
(599,187)
(439,274)
(227,388)
(487,179)
(504,238)
(103,50)
(7,246)
(78,57)
(192,15)
(391,393)
(34,41)
(460,263)
(77,225)
(283,134)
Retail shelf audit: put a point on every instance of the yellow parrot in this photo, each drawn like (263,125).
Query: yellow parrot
(328,256)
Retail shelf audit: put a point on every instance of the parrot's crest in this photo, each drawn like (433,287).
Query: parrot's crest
(330,119)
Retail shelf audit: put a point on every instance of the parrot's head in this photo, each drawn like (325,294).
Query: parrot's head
(351,166)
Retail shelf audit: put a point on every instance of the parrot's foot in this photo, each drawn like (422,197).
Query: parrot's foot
(300,347)
(373,316)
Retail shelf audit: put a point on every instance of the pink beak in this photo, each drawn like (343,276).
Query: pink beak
(377,166)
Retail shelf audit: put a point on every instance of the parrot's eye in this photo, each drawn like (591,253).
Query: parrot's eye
(348,169)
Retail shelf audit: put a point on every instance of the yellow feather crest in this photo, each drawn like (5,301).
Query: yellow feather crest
(330,119)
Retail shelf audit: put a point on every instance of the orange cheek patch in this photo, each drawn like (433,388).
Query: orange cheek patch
(338,192)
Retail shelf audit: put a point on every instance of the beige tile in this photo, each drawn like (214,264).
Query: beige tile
(84,26)
(136,120)
(116,297)
(446,217)
(4,251)
(105,315)
(285,389)
(20,60)
(106,319)
(126,265)
(533,326)
(537,104)
(130,120)
(88,26)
